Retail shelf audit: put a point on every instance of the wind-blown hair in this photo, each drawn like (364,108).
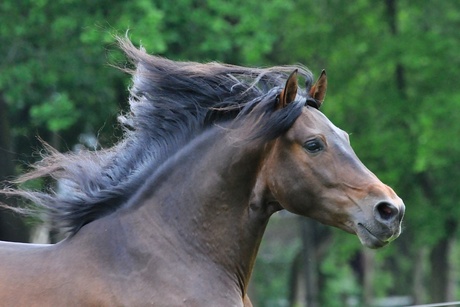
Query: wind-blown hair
(170,104)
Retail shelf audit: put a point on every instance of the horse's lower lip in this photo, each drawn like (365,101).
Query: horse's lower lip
(368,238)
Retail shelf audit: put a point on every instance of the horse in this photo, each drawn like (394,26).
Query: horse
(173,213)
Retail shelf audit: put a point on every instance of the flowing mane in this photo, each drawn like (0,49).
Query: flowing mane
(170,104)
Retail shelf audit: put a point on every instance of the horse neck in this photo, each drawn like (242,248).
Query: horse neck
(209,201)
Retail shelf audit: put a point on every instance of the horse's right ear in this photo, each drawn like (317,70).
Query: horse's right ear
(289,91)
(318,90)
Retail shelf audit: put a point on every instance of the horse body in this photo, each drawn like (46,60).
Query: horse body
(168,251)
(44,276)
(189,234)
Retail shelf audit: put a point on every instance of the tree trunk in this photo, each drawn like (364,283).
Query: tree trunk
(310,263)
(452,281)
(441,288)
(368,276)
(439,263)
(297,283)
(418,286)
(305,277)
(440,281)
(11,227)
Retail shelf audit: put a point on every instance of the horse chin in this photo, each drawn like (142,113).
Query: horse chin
(368,239)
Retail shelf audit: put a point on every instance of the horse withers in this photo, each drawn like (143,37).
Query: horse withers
(174,213)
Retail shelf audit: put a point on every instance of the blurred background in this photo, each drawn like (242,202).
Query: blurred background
(393,69)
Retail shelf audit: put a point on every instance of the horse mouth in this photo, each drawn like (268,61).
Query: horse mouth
(369,239)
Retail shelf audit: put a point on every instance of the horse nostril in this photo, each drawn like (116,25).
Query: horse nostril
(386,211)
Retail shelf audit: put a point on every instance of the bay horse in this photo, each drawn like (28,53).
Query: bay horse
(174,213)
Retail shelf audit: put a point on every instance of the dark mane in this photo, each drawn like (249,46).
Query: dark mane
(170,104)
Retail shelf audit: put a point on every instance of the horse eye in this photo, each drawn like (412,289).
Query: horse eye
(313,146)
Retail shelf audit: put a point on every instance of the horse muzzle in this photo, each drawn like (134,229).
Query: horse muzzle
(384,226)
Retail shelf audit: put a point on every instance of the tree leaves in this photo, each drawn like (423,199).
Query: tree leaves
(59,113)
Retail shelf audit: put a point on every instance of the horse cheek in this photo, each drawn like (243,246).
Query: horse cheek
(290,189)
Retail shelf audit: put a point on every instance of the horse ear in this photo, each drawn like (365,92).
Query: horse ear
(318,90)
(289,92)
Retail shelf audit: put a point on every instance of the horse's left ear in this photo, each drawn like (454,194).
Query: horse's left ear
(289,91)
(318,90)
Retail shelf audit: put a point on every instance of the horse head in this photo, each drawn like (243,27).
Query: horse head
(312,170)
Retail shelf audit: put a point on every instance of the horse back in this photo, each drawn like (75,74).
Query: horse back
(38,275)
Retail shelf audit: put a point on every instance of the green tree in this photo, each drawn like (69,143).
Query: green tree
(236,32)
(54,73)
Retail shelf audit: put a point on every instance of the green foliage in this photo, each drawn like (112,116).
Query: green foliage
(240,32)
(55,65)
(58,114)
